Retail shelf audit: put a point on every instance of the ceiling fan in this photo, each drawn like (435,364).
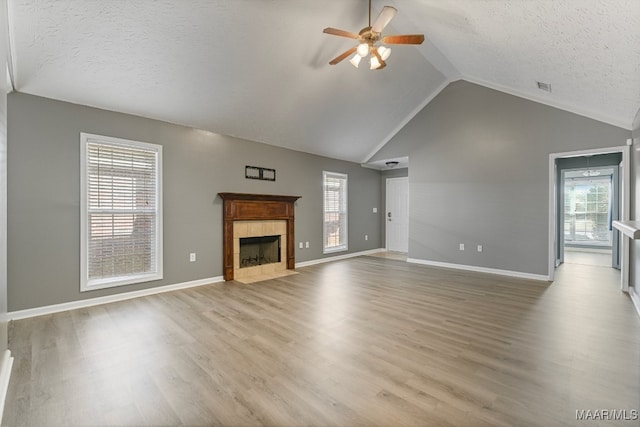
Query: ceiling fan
(369,36)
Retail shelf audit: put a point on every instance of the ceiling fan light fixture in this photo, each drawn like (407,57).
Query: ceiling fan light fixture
(375,64)
(363,49)
(384,52)
(355,61)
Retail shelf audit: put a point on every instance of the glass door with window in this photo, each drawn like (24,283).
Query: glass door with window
(588,207)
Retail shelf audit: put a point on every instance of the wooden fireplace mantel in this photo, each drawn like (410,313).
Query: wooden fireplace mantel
(255,207)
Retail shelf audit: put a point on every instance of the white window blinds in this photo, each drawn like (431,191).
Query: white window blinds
(335,212)
(121,212)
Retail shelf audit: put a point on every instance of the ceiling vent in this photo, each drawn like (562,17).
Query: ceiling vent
(544,86)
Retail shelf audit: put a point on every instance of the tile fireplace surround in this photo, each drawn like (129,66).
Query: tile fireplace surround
(259,228)
(256,215)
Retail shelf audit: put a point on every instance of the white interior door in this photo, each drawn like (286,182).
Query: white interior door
(397,214)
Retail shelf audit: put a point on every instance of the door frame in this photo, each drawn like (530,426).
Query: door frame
(625,190)
(386,209)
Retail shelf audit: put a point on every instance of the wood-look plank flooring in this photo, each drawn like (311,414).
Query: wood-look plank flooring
(576,256)
(361,342)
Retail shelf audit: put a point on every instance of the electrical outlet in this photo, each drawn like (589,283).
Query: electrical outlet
(366,237)
(192,257)
(462,246)
(375,210)
(306,245)
(301,245)
(479,248)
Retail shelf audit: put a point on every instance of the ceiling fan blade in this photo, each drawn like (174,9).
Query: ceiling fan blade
(339,58)
(403,39)
(387,14)
(341,33)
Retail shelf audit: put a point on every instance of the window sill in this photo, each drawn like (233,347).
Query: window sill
(335,250)
(118,281)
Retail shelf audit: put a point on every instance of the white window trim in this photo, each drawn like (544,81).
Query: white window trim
(90,285)
(345,247)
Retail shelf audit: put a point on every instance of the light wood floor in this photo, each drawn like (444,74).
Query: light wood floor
(400,256)
(365,341)
(576,256)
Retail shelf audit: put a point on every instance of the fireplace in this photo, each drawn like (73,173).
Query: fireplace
(252,220)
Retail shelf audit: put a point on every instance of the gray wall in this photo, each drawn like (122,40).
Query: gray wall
(389,173)
(3,176)
(479,172)
(44,194)
(634,247)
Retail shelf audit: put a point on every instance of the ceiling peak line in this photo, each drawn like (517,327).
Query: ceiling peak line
(10,48)
(407,119)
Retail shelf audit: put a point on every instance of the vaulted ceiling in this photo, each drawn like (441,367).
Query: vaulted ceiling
(258,69)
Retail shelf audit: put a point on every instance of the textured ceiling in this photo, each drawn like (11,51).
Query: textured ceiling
(257,69)
(588,50)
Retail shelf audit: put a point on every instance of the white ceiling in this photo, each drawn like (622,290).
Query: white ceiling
(258,69)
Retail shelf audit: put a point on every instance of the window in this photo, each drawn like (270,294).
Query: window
(121,212)
(335,212)
(588,207)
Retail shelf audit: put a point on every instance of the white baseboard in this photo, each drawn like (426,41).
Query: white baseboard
(635,298)
(5,375)
(518,274)
(56,308)
(338,257)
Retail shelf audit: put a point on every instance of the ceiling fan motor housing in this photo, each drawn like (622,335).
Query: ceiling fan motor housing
(366,35)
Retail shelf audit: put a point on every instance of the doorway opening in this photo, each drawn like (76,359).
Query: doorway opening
(590,202)
(589,190)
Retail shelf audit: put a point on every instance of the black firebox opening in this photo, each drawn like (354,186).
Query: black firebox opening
(259,250)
